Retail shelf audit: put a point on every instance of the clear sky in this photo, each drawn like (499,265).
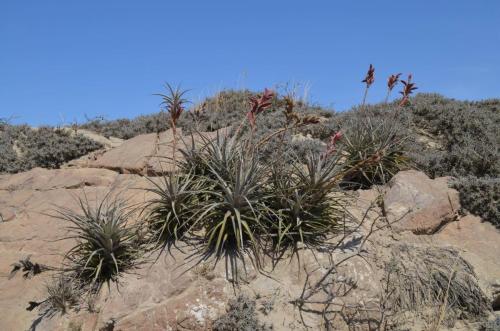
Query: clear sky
(62,59)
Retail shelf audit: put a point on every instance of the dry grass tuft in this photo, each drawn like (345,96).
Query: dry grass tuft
(437,279)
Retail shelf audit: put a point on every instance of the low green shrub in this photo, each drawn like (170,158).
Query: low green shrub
(480,196)
(129,128)
(466,131)
(24,148)
(9,162)
(49,148)
(220,111)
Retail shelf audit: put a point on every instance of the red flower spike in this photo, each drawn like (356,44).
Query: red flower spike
(336,137)
(408,89)
(370,76)
(330,149)
(392,81)
(259,104)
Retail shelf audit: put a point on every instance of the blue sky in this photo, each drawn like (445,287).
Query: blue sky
(62,59)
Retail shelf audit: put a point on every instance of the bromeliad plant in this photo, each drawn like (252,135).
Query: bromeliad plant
(233,208)
(235,201)
(106,248)
(382,142)
(106,245)
(174,103)
(258,105)
(305,206)
(63,294)
(228,195)
(170,212)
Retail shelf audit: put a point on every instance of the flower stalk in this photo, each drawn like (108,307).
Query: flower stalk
(369,80)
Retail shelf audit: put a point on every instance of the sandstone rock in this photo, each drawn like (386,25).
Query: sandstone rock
(165,295)
(131,157)
(480,245)
(33,196)
(175,293)
(161,161)
(7,214)
(416,203)
(148,154)
(45,179)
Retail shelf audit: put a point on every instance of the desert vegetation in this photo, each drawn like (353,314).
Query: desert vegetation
(443,137)
(263,175)
(23,148)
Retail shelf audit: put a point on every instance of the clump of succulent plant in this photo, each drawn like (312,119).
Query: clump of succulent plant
(107,246)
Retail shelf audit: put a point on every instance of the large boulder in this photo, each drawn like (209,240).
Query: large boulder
(133,155)
(414,202)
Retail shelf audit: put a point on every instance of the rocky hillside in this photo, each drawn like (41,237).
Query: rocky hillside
(413,225)
(408,250)
(448,138)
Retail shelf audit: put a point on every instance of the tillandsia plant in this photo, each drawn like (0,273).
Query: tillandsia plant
(174,103)
(224,191)
(106,245)
(233,208)
(63,294)
(391,83)
(381,142)
(167,212)
(191,151)
(369,80)
(331,147)
(305,208)
(170,213)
